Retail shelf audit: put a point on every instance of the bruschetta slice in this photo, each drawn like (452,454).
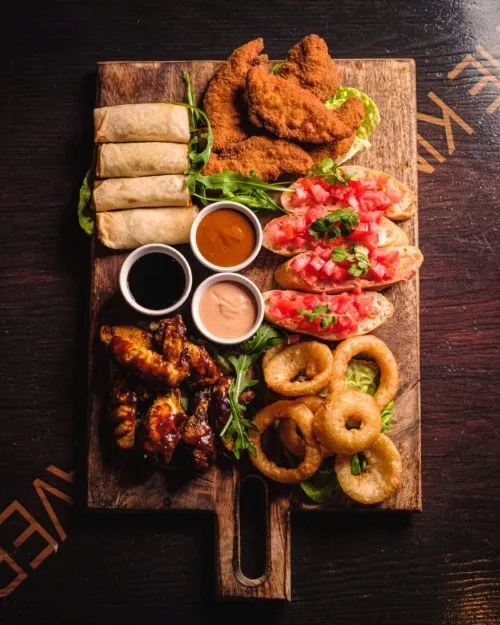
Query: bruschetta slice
(292,234)
(349,267)
(362,189)
(327,317)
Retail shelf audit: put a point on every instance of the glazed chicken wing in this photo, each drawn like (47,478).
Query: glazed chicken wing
(130,333)
(223,101)
(163,425)
(289,111)
(198,436)
(171,339)
(150,366)
(310,66)
(204,371)
(268,158)
(127,399)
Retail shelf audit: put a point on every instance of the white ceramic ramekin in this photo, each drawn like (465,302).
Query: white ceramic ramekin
(154,248)
(227,277)
(252,218)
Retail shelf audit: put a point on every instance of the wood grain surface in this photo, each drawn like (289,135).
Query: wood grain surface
(438,568)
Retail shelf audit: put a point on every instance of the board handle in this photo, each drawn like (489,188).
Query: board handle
(275,583)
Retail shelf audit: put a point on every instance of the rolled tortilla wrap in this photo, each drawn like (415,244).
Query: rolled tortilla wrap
(121,193)
(130,160)
(126,230)
(141,122)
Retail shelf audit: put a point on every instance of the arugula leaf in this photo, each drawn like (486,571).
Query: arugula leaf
(276,68)
(265,338)
(201,131)
(331,172)
(237,426)
(340,222)
(85,215)
(231,185)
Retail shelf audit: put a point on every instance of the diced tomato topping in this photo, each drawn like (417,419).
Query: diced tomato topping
(328,268)
(316,263)
(393,194)
(378,271)
(299,263)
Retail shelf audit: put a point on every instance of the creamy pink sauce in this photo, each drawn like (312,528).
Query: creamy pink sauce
(227,309)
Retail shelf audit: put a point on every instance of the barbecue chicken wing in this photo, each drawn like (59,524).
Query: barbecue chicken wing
(198,436)
(127,399)
(163,425)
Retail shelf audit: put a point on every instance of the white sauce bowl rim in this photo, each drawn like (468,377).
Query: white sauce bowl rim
(144,250)
(227,277)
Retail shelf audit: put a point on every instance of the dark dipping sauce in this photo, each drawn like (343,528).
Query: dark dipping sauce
(156,281)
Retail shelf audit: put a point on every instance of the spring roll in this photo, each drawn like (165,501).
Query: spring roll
(148,192)
(130,160)
(141,122)
(126,230)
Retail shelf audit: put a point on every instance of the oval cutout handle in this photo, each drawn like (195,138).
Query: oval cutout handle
(231,582)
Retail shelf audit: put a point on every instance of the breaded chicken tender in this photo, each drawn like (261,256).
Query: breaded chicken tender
(223,101)
(268,157)
(351,113)
(310,66)
(289,111)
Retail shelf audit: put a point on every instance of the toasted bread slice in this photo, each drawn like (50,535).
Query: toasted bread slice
(410,259)
(389,235)
(399,211)
(383,310)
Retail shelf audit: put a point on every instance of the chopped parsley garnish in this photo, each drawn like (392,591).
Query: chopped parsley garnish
(357,255)
(327,318)
(331,172)
(338,223)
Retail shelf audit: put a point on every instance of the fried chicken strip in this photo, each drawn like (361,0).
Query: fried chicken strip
(310,66)
(289,111)
(123,411)
(223,101)
(203,370)
(351,113)
(197,435)
(163,425)
(268,157)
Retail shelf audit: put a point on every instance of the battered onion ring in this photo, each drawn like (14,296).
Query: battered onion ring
(290,437)
(290,362)
(383,474)
(329,425)
(302,416)
(378,350)
(271,353)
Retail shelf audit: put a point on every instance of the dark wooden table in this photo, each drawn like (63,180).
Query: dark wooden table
(60,565)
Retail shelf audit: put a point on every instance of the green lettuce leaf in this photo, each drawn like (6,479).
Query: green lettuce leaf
(85,215)
(321,487)
(370,121)
(363,376)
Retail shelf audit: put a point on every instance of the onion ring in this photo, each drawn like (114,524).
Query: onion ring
(280,372)
(271,353)
(289,435)
(302,416)
(378,350)
(329,425)
(382,477)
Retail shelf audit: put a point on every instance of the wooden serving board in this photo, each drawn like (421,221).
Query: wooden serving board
(124,482)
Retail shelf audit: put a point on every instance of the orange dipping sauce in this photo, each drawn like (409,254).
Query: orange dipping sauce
(225,237)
